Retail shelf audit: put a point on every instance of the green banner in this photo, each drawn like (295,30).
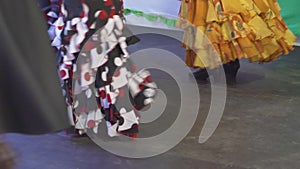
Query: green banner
(152,17)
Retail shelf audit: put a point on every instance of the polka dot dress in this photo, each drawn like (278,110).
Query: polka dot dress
(98,79)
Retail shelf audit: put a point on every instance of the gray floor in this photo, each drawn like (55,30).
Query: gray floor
(259,128)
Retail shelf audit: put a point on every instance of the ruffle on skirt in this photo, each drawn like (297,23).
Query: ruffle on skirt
(95,69)
(106,84)
(220,31)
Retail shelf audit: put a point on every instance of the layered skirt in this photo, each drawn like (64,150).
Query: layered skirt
(221,31)
(98,79)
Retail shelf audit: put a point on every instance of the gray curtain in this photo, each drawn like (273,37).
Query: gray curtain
(30,97)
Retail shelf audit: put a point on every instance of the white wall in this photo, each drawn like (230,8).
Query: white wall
(166,8)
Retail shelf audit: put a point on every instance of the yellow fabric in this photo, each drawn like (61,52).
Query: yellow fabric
(200,11)
(220,31)
(260,28)
(232,6)
(212,14)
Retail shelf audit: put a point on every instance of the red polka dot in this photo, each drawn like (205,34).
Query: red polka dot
(60,27)
(117,73)
(121,92)
(103,15)
(112,12)
(87,76)
(82,15)
(63,73)
(148,79)
(102,94)
(108,3)
(91,124)
(141,87)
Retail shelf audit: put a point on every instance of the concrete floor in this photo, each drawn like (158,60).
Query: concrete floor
(259,128)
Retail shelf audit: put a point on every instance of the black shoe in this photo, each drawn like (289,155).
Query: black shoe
(131,39)
(201,75)
(231,70)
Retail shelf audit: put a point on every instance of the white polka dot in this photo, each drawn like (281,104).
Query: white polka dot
(149,92)
(118,61)
(148,101)
(76,103)
(88,93)
(122,110)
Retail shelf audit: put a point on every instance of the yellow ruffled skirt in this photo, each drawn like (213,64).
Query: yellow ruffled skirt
(220,31)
